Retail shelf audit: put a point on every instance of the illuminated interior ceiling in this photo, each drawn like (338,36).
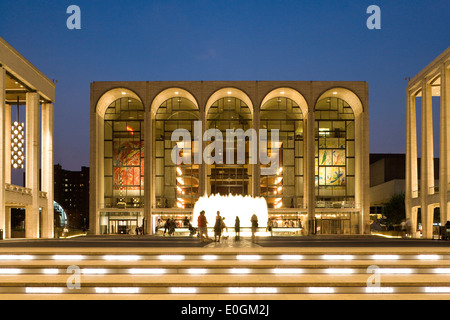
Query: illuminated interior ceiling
(16,91)
(230,207)
(112,95)
(435,88)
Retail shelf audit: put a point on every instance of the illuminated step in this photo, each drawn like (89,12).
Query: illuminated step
(209,257)
(435,291)
(230,270)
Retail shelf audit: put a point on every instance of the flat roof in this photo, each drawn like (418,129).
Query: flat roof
(23,70)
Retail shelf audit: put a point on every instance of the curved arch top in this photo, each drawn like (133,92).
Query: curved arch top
(112,95)
(290,93)
(171,93)
(229,92)
(345,94)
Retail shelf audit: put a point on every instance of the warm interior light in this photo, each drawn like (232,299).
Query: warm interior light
(130,130)
(17,132)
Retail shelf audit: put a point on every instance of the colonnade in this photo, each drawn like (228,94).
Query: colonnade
(22,84)
(424,192)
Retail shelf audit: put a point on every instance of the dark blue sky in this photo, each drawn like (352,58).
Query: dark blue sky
(226,40)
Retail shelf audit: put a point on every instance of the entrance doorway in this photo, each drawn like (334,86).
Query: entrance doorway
(333,226)
(122,226)
(335,223)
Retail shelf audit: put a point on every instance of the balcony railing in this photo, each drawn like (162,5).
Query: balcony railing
(17,189)
(337,204)
(23,190)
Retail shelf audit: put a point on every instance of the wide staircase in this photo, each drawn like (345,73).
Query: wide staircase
(218,273)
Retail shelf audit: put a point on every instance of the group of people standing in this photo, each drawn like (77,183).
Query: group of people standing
(220,226)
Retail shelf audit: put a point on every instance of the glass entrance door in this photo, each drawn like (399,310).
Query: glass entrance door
(327,225)
(122,226)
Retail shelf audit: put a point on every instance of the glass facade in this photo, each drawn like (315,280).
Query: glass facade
(201,140)
(176,186)
(124,154)
(334,153)
(284,189)
(225,178)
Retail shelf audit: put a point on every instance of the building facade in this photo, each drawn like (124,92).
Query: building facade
(429,88)
(322,128)
(72,194)
(26,145)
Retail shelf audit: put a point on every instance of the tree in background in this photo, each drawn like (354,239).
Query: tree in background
(394,210)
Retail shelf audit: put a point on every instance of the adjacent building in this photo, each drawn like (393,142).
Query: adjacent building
(26,144)
(72,194)
(143,169)
(429,89)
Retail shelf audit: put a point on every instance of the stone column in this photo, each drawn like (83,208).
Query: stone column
(93,189)
(3,128)
(32,164)
(365,174)
(47,186)
(256,172)
(444,162)
(148,156)
(310,172)
(204,186)
(411,179)
(427,161)
(7,143)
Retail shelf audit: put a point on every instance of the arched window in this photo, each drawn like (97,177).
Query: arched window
(124,154)
(284,189)
(334,151)
(176,186)
(229,113)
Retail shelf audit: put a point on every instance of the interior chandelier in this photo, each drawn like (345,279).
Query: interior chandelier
(17,142)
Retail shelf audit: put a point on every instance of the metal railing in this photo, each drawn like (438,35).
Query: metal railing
(337,204)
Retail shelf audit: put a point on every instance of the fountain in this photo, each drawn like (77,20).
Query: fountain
(231,206)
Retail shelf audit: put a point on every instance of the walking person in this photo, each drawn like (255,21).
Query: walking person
(269,226)
(202,224)
(218,227)
(237,228)
(403,228)
(408,228)
(172,227)
(166,226)
(224,227)
(254,221)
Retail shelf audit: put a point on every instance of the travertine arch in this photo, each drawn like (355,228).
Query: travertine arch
(171,93)
(290,93)
(112,95)
(345,94)
(229,92)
